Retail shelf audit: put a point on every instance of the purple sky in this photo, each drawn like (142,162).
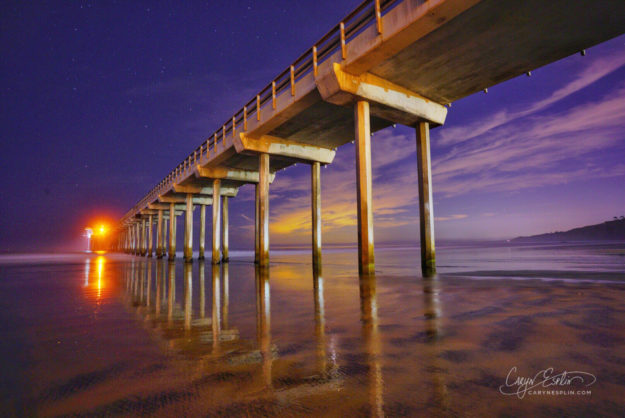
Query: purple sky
(100,101)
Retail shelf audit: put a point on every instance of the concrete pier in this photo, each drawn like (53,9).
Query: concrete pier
(363,188)
(144,238)
(263,210)
(160,243)
(202,251)
(315,174)
(165,228)
(426,203)
(150,235)
(394,63)
(256,223)
(224,229)
(188,229)
(172,232)
(216,256)
(137,249)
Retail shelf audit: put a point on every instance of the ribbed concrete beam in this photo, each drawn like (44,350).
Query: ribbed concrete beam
(272,145)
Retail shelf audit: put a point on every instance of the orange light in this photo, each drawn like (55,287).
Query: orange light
(102,230)
(100,262)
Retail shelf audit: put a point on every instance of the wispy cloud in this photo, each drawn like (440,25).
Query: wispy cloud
(534,151)
(596,70)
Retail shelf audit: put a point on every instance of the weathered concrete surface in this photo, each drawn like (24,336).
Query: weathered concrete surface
(188,230)
(202,252)
(172,232)
(263,210)
(426,203)
(315,177)
(363,188)
(224,230)
(216,256)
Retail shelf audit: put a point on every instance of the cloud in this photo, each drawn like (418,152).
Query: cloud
(596,70)
(536,151)
(450,217)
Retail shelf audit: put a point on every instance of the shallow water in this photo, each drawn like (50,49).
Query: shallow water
(115,334)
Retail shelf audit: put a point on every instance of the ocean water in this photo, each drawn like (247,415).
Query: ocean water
(502,330)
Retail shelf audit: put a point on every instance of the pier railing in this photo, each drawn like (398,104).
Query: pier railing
(367,13)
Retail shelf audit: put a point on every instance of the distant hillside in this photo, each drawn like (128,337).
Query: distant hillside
(607,231)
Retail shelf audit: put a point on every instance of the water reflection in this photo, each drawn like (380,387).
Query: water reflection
(371,338)
(217,345)
(95,279)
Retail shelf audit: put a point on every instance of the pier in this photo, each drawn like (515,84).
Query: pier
(387,62)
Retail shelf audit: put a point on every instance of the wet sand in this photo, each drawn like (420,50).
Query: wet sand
(118,335)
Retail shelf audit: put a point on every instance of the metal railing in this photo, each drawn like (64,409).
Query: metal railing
(368,12)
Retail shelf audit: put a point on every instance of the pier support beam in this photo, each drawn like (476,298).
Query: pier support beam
(263,210)
(366,263)
(426,208)
(165,235)
(216,258)
(315,171)
(144,240)
(202,253)
(172,231)
(159,235)
(224,230)
(256,224)
(150,236)
(137,248)
(188,230)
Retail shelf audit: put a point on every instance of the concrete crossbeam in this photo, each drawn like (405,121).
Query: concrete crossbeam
(203,190)
(183,199)
(226,173)
(395,103)
(272,145)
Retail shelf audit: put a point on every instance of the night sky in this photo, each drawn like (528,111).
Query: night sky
(100,100)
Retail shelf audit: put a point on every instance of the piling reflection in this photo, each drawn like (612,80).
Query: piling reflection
(263,322)
(95,278)
(432,312)
(184,325)
(371,337)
